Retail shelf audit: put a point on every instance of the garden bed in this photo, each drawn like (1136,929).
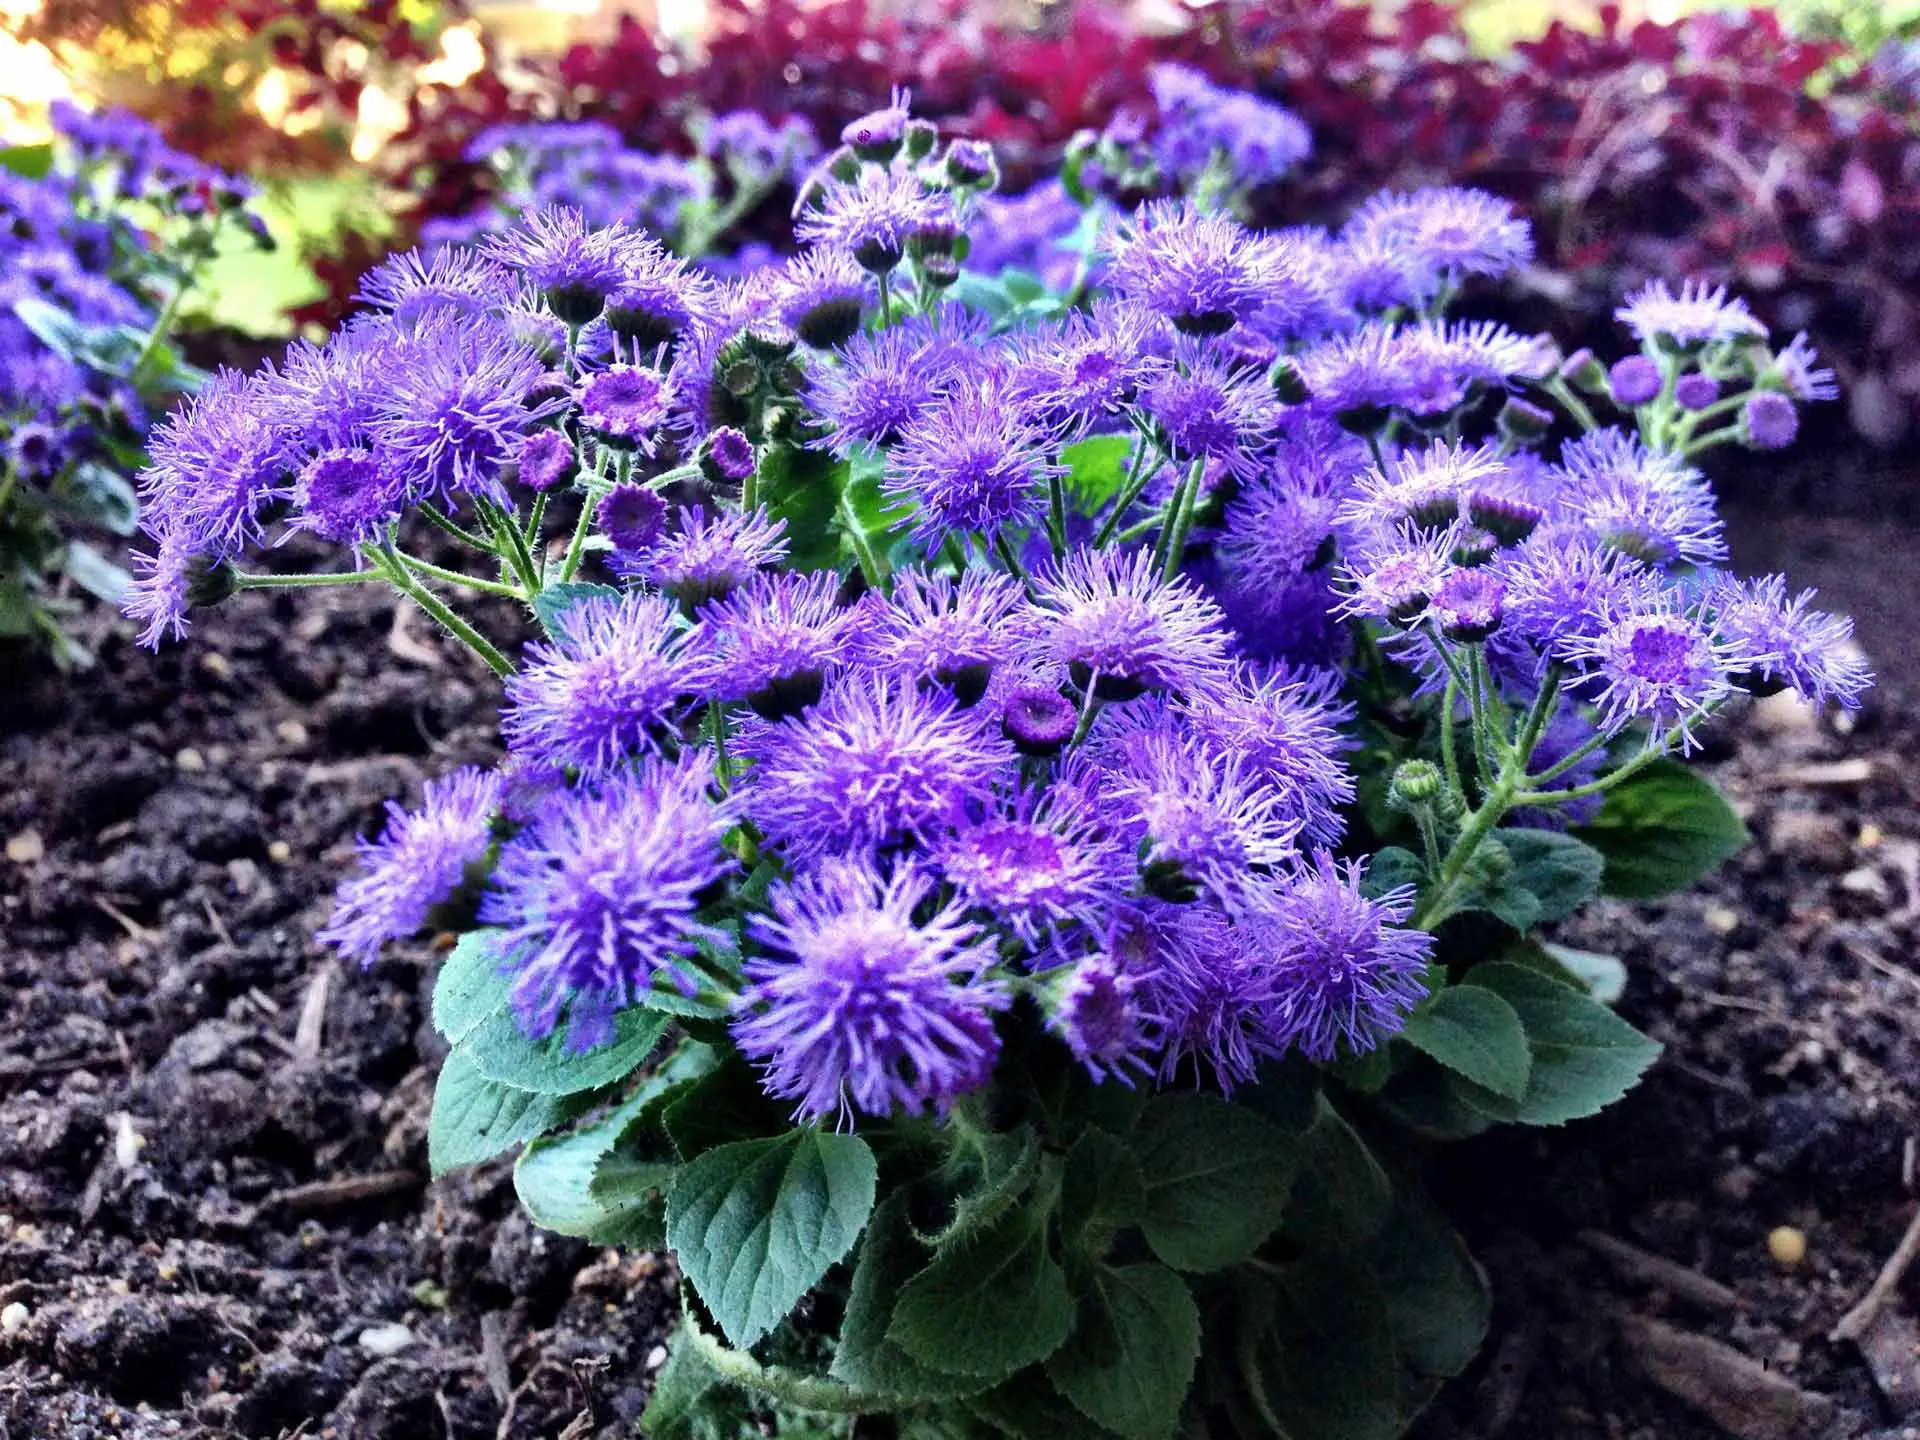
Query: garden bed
(216,1211)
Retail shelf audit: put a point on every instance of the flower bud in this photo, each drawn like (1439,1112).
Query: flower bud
(1696,391)
(1038,719)
(940,271)
(972,164)
(1584,372)
(1768,421)
(1469,605)
(1523,422)
(726,457)
(920,138)
(1415,784)
(1634,381)
(1507,519)
(209,582)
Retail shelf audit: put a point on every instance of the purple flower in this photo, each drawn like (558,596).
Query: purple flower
(1283,727)
(865,1007)
(631,516)
(1047,859)
(1075,377)
(1273,534)
(1374,273)
(1798,369)
(1698,315)
(600,894)
(1562,586)
(627,405)
(1097,1009)
(1118,627)
(1789,644)
(1209,409)
(872,217)
(1645,503)
(883,380)
(420,861)
(1201,124)
(1449,228)
(459,398)
(1656,664)
(1695,391)
(727,456)
(1037,718)
(877,761)
(1345,976)
(971,464)
(348,496)
(1203,272)
(877,135)
(1768,421)
(419,283)
(710,555)
(1427,488)
(954,633)
(1206,987)
(602,689)
(573,266)
(215,466)
(659,296)
(1634,381)
(1395,578)
(823,295)
(545,460)
(1200,817)
(774,639)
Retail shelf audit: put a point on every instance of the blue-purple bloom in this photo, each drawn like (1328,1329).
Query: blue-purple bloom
(600,692)
(712,554)
(872,217)
(1047,858)
(627,405)
(955,633)
(1451,229)
(1658,665)
(1646,503)
(970,464)
(599,895)
(1788,643)
(772,641)
(421,860)
(869,1003)
(1203,272)
(1110,619)
(1699,315)
(1098,1010)
(1769,421)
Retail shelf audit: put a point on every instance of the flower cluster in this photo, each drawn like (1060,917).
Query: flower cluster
(85,298)
(958,649)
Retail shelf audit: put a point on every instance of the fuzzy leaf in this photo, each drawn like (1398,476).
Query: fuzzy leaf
(1216,1177)
(1132,1355)
(866,1357)
(1662,830)
(499,1051)
(990,1305)
(550,606)
(1471,1030)
(1584,1056)
(475,1119)
(757,1223)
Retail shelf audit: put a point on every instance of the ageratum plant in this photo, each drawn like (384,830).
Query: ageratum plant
(103,235)
(1026,810)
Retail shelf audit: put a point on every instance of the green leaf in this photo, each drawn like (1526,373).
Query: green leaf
(866,518)
(1584,1056)
(1216,1179)
(30,162)
(802,487)
(469,986)
(1661,830)
(1096,469)
(1559,871)
(757,1223)
(475,1119)
(94,573)
(98,495)
(1392,868)
(498,1049)
(550,606)
(581,1184)
(680,1389)
(1343,1194)
(1028,1407)
(1604,976)
(1324,1366)
(1132,1355)
(865,1357)
(723,1105)
(1472,1030)
(1101,1193)
(473,1008)
(990,1182)
(1437,1298)
(53,327)
(990,1305)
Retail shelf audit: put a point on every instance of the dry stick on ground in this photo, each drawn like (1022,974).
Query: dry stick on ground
(324,1194)
(1658,1272)
(1857,1321)
(311,1028)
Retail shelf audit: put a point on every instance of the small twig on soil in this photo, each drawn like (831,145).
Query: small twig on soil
(325,1194)
(493,1355)
(11,1070)
(219,925)
(310,1030)
(1643,1266)
(1856,771)
(133,927)
(1857,1321)
(1867,955)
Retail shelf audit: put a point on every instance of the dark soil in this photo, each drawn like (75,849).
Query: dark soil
(186,1072)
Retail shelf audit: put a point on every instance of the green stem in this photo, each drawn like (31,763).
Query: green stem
(1555,771)
(531,535)
(577,546)
(722,764)
(1448,751)
(1172,544)
(162,323)
(1594,787)
(1057,513)
(1573,404)
(886,300)
(507,532)
(1712,438)
(1003,547)
(396,569)
(245,580)
(789,1387)
(454,577)
(1139,474)
(1089,710)
(442,520)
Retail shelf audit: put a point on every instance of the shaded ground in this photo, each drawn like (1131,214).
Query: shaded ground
(185,1074)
